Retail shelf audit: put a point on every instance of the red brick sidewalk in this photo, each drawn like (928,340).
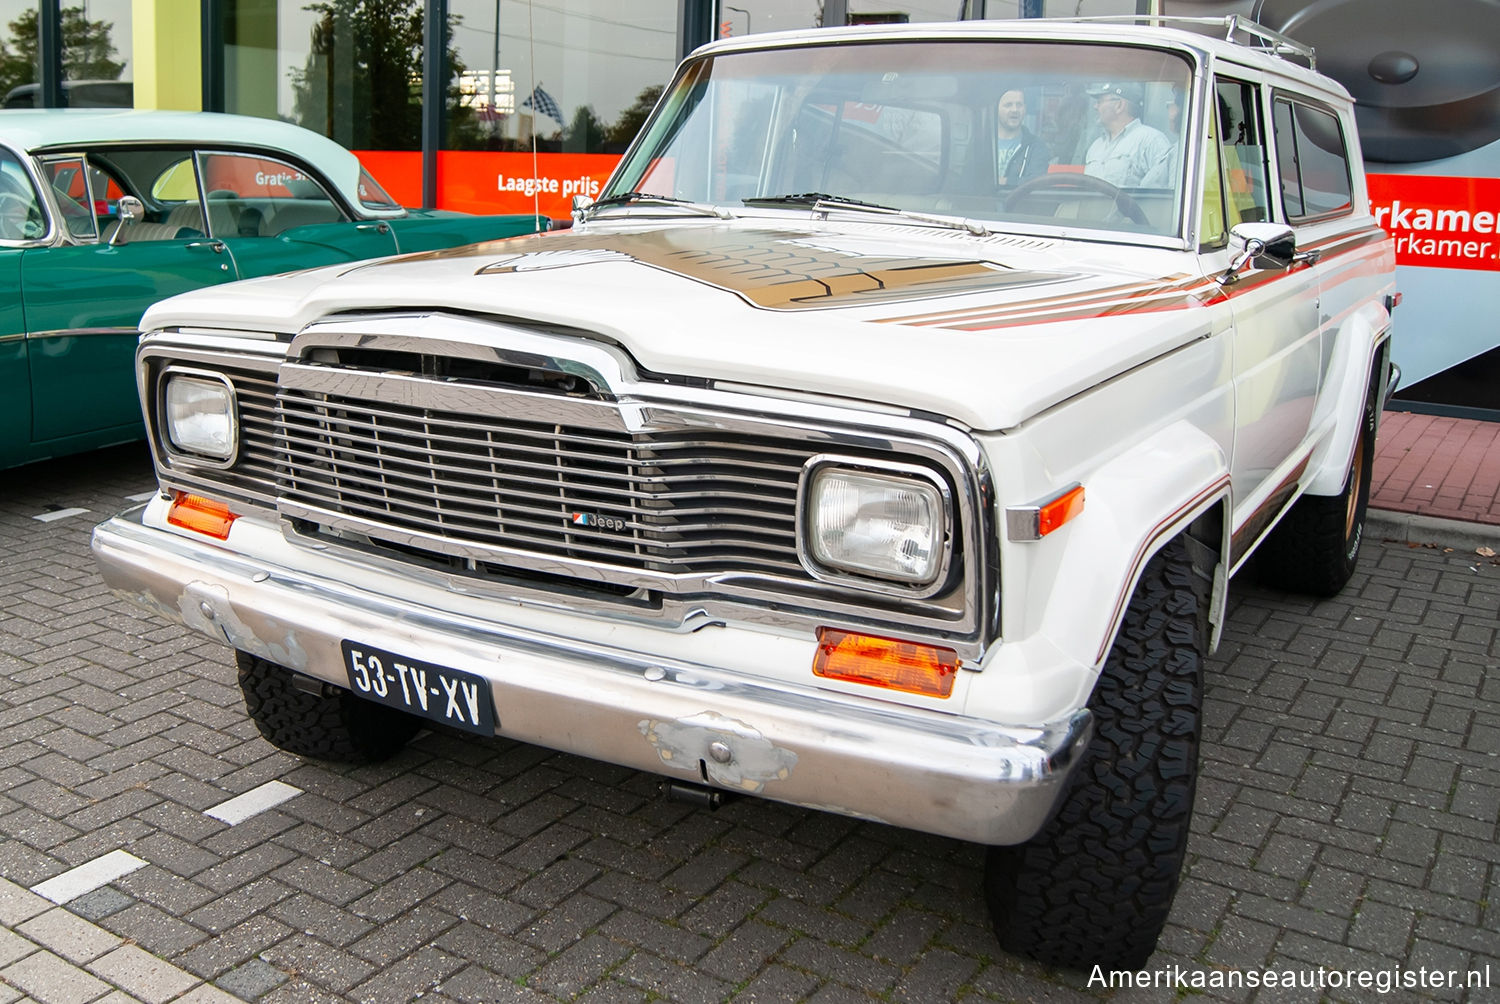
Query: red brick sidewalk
(1446,467)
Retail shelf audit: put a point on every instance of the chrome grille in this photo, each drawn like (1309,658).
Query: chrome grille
(679,502)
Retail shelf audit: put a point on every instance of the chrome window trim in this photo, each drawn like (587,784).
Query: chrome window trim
(889,585)
(175,451)
(40,190)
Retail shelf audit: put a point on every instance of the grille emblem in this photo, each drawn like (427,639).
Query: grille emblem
(596,520)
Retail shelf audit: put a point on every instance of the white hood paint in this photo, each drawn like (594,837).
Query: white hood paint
(672,323)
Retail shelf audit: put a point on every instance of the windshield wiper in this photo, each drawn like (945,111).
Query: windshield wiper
(819,200)
(813,199)
(634,198)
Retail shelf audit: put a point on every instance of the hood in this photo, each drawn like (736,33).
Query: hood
(984,330)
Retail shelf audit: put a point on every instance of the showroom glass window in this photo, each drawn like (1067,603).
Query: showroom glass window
(96,53)
(578,78)
(349,69)
(18,62)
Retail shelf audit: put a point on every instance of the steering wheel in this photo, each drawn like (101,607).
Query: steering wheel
(15,211)
(1066,181)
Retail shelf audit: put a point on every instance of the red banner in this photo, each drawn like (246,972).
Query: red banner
(484,182)
(1439,221)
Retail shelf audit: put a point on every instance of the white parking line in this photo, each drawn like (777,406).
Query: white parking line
(142,497)
(88,876)
(48,517)
(253,802)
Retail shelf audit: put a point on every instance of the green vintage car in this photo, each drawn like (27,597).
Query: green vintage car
(104,212)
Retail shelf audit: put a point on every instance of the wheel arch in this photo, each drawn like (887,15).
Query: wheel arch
(1176,483)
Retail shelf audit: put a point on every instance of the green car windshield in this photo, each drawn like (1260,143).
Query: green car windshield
(1041,134)
(21,216)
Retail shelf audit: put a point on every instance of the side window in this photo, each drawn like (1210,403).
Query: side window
(1244,144)
(21,217)
(1314,162)
(254,196)
(69,178)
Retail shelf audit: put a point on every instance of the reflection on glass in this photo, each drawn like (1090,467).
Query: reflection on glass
(18,70)
(927,127)
(96,48)
(749,17)
(349,69)
(903,11)
(597,73)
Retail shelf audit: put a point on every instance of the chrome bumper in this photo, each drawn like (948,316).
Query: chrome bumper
(925,770)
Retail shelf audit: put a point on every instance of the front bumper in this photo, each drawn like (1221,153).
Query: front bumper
(926,770)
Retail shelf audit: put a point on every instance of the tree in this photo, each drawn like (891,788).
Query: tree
(631,119)
(585,134)
(87,50)
(362,83)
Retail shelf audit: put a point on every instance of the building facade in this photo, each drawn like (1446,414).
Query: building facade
(518,105)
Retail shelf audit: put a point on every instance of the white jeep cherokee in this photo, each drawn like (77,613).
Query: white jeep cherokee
(833,456)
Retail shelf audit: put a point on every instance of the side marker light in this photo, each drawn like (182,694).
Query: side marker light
(1061,509)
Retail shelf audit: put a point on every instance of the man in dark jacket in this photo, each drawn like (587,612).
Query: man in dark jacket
(1019,154)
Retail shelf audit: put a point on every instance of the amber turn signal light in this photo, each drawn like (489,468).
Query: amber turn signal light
(201,515)
(885,662)
(1057,512)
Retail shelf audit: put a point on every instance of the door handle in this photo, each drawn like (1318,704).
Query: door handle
(380,228)
(218,246)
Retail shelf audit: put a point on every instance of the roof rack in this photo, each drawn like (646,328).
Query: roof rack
(1236,28)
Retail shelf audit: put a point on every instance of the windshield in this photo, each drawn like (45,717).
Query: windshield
(1054,134)
(21,216)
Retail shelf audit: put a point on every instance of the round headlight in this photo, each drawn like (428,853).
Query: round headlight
(200,415)
(889,526)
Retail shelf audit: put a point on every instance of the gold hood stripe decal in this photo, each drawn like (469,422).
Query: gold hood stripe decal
(773,270)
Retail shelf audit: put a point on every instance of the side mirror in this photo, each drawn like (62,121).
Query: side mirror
(1265,245)
(581,205)
(130,211)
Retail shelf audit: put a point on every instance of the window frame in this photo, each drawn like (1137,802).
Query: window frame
(1293,99)
(1258,104)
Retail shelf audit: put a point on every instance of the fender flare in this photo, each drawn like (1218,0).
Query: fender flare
(1137,501)
(1362,349)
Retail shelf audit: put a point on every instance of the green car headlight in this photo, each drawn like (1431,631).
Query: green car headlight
(889,526)
(199,409)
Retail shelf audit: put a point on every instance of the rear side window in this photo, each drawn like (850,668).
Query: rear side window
(1314,160)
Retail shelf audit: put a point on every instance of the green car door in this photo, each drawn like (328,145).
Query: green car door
(83,302)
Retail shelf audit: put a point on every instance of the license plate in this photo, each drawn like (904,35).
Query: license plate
(448,696)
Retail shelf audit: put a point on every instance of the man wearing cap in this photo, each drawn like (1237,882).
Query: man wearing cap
(1130,151)
(1019,154)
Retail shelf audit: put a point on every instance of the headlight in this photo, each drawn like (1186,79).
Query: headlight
(200,415)
(890,526)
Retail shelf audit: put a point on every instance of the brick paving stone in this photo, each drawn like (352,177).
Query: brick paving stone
(69,935)
(252,980)
(671,980)
(53,980)
(330,968)
(228,949)
(142,974)
(412,977)
(18,904)
(13,947)
(100,903)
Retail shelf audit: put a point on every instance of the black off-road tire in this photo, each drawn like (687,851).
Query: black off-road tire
(1095,886)
(334,726)
(1315,547)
